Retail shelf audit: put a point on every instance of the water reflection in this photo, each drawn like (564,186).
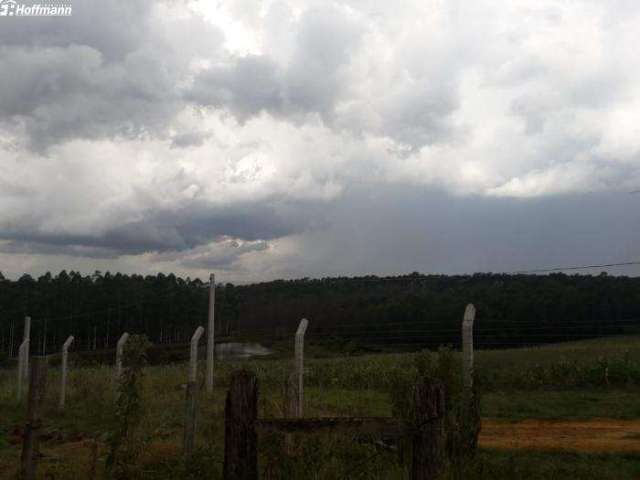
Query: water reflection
(240,351)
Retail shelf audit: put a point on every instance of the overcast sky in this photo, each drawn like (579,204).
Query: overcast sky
(267,139)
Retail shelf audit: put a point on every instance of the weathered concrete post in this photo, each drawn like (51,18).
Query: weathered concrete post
(37,390)
(27,328)
(467,347)
(119,352)
(190,418)
(191,399)
(23,353)
(211,332)
(471,424)
(193,364)
(63,381)
(299,365)
(23,360)
(240,436)
(11,350)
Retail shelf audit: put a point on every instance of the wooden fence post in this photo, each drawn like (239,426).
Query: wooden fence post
(211,332)
(190,410)
(37,390)
(63,381)
(428,441)
(240,439)
(119,352)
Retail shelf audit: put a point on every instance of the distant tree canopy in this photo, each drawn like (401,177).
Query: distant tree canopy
(414,310)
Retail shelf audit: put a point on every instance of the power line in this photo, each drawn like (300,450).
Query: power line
(421,277)
(582,267)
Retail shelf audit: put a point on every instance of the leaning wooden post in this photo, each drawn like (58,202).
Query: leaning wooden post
(211,332)
(299,365)
(428,440)
(37,389)
(63,381)
(191,396)
(240,437)
(467,348)
(23,355)
(119,352)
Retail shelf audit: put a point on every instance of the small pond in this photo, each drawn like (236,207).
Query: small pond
(240,351)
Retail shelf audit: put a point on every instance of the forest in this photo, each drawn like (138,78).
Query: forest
(400,312)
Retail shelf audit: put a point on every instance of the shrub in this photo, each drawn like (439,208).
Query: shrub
(125,442)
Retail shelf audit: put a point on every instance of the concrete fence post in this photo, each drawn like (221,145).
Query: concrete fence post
(471,424)
(64,365)
(211,332)
(190,418)
(191,398)
(119,353)
(11,349)
(27,347)
(467,347)
(193,356)
(27,328)
(33,426)
(299,366)
(23,356)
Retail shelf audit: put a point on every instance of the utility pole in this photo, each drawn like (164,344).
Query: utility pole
(211,332)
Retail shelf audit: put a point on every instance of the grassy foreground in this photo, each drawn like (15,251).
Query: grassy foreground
(572,381)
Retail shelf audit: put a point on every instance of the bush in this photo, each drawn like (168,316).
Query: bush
(125,442)
(462,409)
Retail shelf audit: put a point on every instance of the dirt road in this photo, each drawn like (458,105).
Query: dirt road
(596,435)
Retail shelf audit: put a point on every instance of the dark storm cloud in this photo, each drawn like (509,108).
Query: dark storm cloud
(391,230)
(167,230)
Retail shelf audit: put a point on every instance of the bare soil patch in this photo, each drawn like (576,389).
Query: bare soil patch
(597,435)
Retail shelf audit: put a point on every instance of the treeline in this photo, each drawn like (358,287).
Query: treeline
(96,309)
(411,310)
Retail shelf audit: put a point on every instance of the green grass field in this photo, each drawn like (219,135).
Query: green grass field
(575,381)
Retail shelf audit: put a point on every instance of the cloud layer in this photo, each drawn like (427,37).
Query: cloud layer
(249,136)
